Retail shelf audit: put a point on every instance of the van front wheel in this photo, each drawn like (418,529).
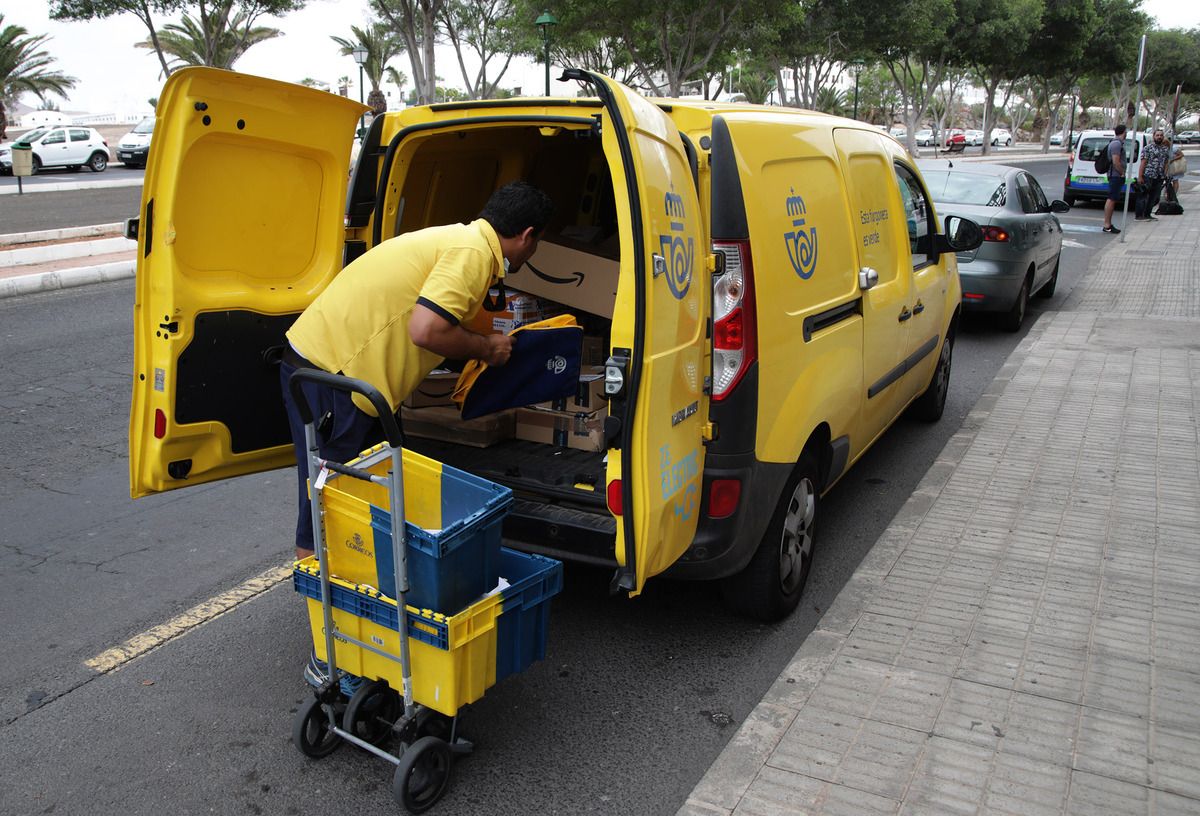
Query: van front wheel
(929,406)
(770,586)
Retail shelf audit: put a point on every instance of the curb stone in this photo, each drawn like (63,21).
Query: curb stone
(66,278)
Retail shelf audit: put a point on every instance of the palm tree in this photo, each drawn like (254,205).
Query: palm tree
(831,100)
(24,68)
(216,39)
(382,45)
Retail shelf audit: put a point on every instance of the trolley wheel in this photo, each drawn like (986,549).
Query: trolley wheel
(423,774)
(310,731)
(371,712)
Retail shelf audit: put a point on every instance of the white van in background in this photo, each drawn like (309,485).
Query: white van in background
(1082,181)
(134,146)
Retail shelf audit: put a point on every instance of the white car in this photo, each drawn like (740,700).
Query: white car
(134,147)
(70,147)
(1000,136)
(974,137)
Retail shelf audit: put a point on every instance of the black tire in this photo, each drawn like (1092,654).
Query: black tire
(37,165)
(310,731)
(1070,199)
(1014,317)
(372,711)
(1047,290)
(423,774)
(770,586)
(98,162)
(929,406)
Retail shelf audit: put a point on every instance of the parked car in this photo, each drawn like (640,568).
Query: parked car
(70,147)
(953,136)
(1000,136)
(899,133)
(1022,237)
(1056,138)
(134,146)
(1187,137)
(924,137)
(974,137)
(799,339)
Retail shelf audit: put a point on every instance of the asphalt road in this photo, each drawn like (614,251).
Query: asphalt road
(34,212)
(632,703)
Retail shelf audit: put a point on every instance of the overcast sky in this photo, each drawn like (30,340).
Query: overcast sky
(116,77)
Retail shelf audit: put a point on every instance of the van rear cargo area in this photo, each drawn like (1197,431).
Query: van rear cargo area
(560,501)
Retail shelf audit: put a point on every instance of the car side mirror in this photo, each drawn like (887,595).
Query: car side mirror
(1059,206)
(961,235)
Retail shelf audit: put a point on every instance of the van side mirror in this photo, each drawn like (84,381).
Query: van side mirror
(961,235)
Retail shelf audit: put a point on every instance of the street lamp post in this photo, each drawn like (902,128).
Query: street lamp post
(544,21)
(857,70)
(359,52)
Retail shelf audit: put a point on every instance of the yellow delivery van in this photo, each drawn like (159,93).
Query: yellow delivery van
(764,290)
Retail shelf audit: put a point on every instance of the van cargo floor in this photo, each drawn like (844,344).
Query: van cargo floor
(529,468)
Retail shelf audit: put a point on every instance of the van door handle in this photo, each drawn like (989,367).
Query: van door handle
(920,307)
(905,315)
(867,278)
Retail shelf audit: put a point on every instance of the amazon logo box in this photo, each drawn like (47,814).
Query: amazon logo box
(570,277)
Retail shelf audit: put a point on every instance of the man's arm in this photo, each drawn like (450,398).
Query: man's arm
(433,332)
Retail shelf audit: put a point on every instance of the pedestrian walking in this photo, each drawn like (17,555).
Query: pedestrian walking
(1116,176)
(1152,174)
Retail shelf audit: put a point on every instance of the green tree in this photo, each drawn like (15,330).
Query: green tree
(817,42)
(416,23)
(221,12)
(488,29)
(215,38)
(382,46)
(26,68)
(1172,60)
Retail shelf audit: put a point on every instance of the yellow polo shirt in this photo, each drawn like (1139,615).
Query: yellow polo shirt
(358,326)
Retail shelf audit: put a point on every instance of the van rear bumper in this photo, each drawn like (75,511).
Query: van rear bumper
(723,547)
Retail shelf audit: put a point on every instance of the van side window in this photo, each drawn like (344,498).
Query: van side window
(916,214)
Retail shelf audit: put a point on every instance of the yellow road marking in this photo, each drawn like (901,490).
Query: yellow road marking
(198,614)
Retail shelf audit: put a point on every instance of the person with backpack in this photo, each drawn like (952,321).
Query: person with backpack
(1112,161)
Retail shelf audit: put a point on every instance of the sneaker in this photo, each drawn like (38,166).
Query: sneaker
(317,670)
(1140,218)
(1151,218)
(1110,230)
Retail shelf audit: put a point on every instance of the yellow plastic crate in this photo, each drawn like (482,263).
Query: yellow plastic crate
(453,657)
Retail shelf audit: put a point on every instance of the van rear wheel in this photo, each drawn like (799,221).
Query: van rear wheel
(770,586)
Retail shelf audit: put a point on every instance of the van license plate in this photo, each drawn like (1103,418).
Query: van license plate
(1089,179)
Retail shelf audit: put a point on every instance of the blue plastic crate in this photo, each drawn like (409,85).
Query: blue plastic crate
(521,629)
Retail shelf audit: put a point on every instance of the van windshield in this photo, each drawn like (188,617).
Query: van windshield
(145,126)
(967,188)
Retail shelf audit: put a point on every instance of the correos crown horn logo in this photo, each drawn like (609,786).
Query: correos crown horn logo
(801,242)
(677,252)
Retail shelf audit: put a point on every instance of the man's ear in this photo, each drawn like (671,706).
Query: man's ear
(528,235)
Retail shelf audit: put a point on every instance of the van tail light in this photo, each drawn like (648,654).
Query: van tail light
(160,423)
(735,327)
(723,497)
(615,504)
(995,234)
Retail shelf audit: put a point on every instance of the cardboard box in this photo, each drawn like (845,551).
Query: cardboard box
(447,425)
(571,277)
(434,390)
(595,352)
(579,430)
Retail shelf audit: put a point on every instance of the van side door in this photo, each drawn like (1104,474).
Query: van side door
(881,237)
(240,228)
(656,372)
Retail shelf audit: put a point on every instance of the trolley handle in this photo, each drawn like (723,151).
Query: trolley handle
(348,384)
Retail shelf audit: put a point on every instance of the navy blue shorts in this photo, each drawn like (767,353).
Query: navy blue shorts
(1115,187)
(343,430)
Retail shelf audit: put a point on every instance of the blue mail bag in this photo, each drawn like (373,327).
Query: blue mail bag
(545,364)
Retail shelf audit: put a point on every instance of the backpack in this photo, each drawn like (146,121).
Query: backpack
(1104,161)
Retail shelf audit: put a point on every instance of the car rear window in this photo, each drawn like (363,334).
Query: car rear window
(1091,148)
(967,188)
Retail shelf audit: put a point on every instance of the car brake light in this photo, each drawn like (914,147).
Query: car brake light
(995,234)
(735,332)
(160,423)
(971,296)
(723,496)
(615,503)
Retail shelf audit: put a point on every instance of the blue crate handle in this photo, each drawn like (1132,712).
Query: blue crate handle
(390,431)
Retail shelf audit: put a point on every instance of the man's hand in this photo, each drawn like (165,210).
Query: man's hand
(499,349)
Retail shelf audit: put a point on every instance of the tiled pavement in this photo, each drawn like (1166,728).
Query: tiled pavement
(1025,636)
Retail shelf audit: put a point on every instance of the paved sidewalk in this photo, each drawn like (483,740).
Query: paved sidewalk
(1023,639)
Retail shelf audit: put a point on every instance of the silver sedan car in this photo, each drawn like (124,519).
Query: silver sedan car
(1022,237)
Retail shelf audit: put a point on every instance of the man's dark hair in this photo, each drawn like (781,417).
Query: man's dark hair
(1119,129)
(517,206)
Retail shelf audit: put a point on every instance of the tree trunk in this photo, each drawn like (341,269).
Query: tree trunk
(989,113)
